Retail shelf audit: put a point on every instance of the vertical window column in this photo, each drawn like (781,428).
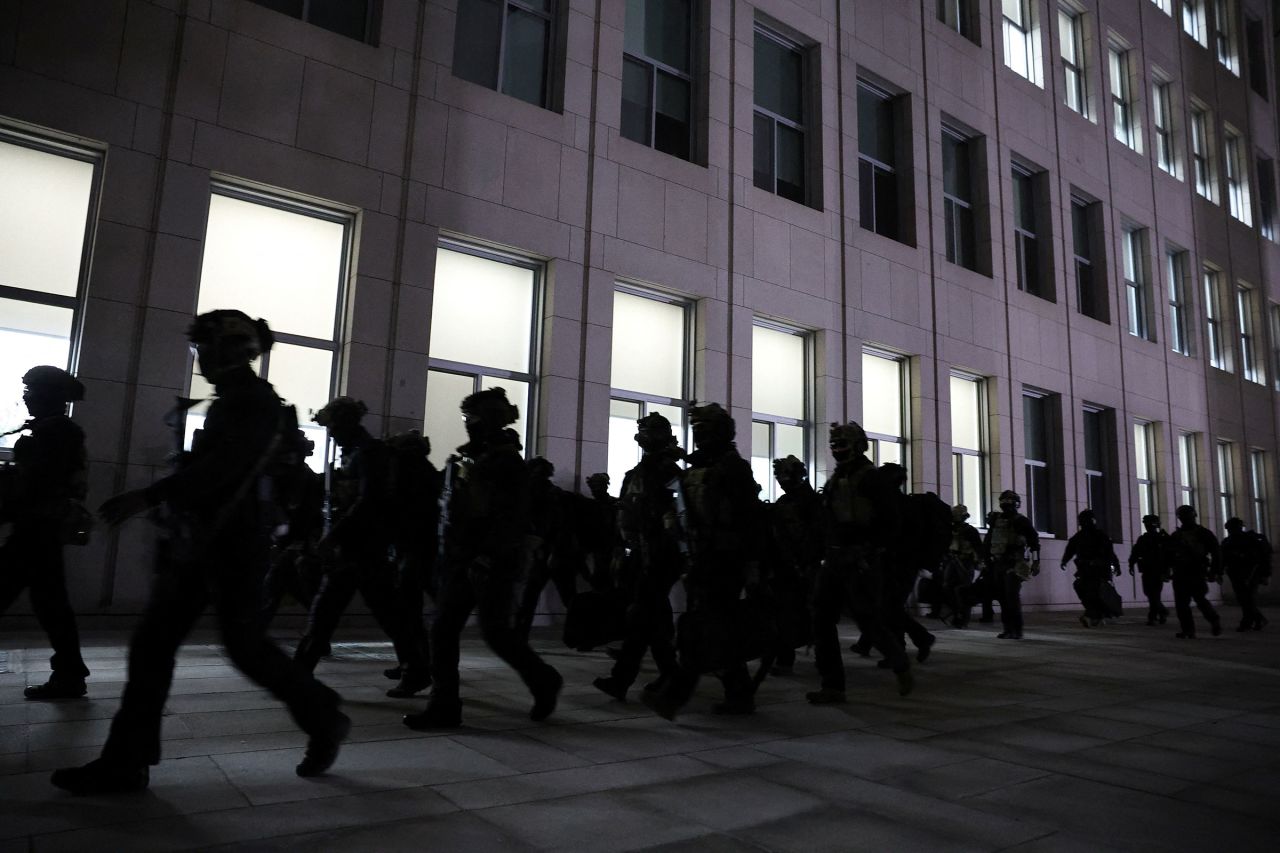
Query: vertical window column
(465,356)
(780,145)
(1205,174)
(1071,46)
(958,198)
(1219,355)
(781,401)
(1039,457)
(288,263)
(1137,282)
(1177,271)
(879,194)
(657,76)
(1188,471)
(1163,126)
(1226,481)
(1124,118)
(1259,481)
(46,223)
(1022,39)
(1246,310)
(1091,279)
(1238,201)
(885,413)
(1144,457)
(969,443)
(1098,465)
(649,371)
(1026,243)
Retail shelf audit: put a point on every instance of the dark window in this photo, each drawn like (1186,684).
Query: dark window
(958,15)
(1256,37)
(957,199)
(1026,241)
(779,161)
(878,162)
(1267,197)
(1090,279)
(657,75)
(345,17)
(506,45)
(1097,470)
(1037,414)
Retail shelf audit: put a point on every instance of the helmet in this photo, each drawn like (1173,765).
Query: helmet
(1087,515)
(1186,512)
(1234,523)
(654,422)
(790,467)
(1151,519)
(598,479)
(959,512)
(490,405)
(227,325)
(1010,496)
(54,382)
(340,412)
(713,416)
(849,436)
(540,468)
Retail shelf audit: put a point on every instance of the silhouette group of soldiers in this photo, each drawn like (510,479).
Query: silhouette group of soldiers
(245,521)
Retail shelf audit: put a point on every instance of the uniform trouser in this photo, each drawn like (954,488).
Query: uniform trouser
(491,594)
(1188,588)
(1088,589)
(413,570)
(1153,589)
(713,589)
(791,591)
(861,591)
(957,585)
(561,572)
(291,572)
(899,619)
(649,627)
(1246,592)
(32,560)
(372,575)
(1011,603)
(232,580)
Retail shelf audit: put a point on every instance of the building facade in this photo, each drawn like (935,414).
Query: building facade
(1027,243)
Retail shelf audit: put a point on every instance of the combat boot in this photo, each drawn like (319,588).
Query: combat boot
(56,688)
(545,694)
(410,683)
(437,715)
(611,687)
(102,777)
(322,747)
(826,696)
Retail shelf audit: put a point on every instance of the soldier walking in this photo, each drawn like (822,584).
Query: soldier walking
(1095,558)
(1151,555)
(1246,558)
(1014,546)
(1195,559)
(796,524)
(42,499)
(220,554)
(963,558)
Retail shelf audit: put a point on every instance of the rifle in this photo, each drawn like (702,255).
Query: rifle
(676,485)
(446,497)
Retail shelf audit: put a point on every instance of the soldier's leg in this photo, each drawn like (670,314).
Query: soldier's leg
(640,617)
(536,579)
(455,600)
(337,588)
(1201,595)
(828,602)
(52,607)
(1182,606)
(178,597)
(377,583)
(1011,606)
(495,597)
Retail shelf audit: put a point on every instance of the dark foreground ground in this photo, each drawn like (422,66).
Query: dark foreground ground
(1118,738)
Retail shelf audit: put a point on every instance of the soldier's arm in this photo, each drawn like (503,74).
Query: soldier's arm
(1029,532)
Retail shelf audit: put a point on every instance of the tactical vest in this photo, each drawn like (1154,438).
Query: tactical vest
(712,524)
(850,507)
(1006,542)
(961,548)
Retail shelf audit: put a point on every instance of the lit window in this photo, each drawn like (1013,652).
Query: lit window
(1177,270)
(884,407)
(1219,356)
(1226,480)
(780,402)
(1136,282)
(1224,36)
(1038,415)
(1162,110)
(649,371)
(1250,364)
(1193,21)
(1071,44)
(1091,281)
(1258,481)
(352,18)
(1165,6)
(1188,471)
(45,210)
(1022,39)
(657,75)
(465,356)
(1098,453)
(957,199)
(1206,177)
(1238,202)
(968,444)
(878,188)
(780,161)
(506,45)
(1124,119)
(1026,243)
(285,262)
(1144,458)
(958,15)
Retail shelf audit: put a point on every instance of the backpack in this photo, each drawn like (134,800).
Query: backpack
(413,483)
(926,530)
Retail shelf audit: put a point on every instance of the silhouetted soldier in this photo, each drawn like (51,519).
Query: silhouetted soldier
(1014,546)
(551,553)
(216,491)
(299,498)
(48,482)
(1151,555)
(485,506)
(963,559)
(1195,560)
(1095,558)
(721,522)
(988,588)
(1246,558)
(652,563)
(860,522)
(357,550)
(415,520)
(917,547)
(597,526)
(796,524)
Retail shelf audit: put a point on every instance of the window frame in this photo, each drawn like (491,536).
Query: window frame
(1274,321)
(1177,269)
(1102,476)
(1265,169)
(1027,31)
(1164,127)
(894,229)
(958,16)
(1259,491)
(478,372)
(1084,233)
(373,16)
(1194,22)
(1236,172)
(762,30)
(549,86)
(806,336)
(1204,169)
(1049,466)
(1137,281)
(1189,470)
(1144,452)
(1225,483)
(1076,66)
(1246,324)
(903,441)
(959,216)
(1226,37)
(1125,125)
(982,452)
(1027,248)
(1218,351)
(656,66)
